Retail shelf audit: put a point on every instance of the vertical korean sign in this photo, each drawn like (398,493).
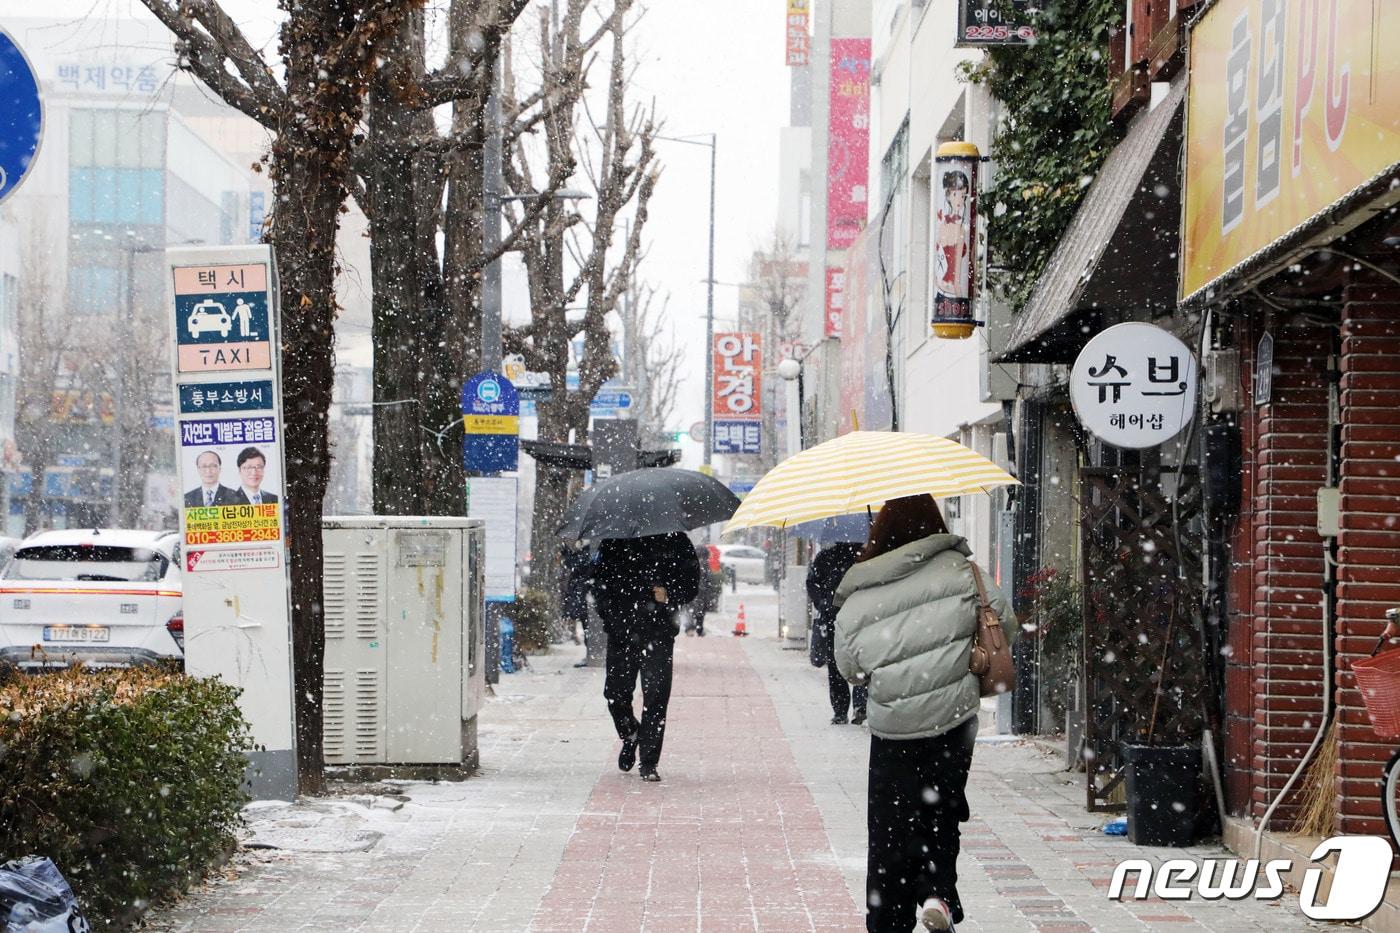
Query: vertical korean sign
(799,42)
(232,523)
(737,408)
(848,162)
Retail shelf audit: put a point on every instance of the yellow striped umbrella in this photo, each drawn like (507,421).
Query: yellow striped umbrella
(863,470)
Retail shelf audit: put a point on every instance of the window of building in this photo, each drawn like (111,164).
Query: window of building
(95,289)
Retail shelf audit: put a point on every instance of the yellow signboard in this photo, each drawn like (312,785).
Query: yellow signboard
(1292,106)
(490,424)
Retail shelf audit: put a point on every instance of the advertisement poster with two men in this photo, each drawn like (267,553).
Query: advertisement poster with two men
(231,482)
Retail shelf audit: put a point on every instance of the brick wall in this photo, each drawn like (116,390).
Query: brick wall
(1286,625)
(1369,555)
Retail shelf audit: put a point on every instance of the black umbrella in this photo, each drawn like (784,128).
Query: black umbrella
(649,501)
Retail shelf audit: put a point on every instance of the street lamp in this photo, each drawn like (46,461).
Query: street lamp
(709,296)
(791,372)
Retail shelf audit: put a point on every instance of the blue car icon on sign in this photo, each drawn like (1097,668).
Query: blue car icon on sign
(209,316)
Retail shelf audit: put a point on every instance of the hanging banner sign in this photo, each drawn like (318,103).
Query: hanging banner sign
(737,405)
(1290,109)
(847,155)
(954,239)
(228,424)
(490,424)
(1134,386)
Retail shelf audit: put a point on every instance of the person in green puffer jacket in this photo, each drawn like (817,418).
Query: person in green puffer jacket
(906,620)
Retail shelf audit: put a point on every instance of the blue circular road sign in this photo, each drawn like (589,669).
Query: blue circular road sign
(21,115)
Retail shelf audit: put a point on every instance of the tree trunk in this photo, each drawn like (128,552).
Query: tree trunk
(310,159)
(397,329)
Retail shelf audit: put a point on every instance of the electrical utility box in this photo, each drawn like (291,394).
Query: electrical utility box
(405,613)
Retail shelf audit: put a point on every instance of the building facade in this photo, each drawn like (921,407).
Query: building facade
(125,170)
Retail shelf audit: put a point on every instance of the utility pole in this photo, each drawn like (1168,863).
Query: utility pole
(710,318)
(491,229)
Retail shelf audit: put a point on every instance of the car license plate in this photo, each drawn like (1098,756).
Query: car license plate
(88,633)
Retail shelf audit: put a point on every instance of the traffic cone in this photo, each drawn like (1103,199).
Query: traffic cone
(740,628)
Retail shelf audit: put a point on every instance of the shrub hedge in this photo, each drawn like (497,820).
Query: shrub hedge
(130,780)
(532,615)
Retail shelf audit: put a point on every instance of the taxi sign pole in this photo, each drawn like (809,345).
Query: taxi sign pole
(228,408)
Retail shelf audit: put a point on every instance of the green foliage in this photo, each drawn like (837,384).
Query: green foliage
(1055,134)
(1057,614)
(130,780)
(532,613)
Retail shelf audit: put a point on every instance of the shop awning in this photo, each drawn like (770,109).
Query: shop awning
(1119,252)
(580,456)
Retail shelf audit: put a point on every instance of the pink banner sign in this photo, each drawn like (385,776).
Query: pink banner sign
(848,161)
(835,301)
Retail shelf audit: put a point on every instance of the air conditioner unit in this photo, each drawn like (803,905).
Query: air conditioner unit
(404,619)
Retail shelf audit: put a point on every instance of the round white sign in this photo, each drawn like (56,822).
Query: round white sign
(1134,385)
(697,432)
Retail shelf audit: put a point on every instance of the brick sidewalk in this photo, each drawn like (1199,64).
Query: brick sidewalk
(757,826)
(1032,858)
(731,840)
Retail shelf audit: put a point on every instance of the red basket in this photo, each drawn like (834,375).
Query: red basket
(1378,678)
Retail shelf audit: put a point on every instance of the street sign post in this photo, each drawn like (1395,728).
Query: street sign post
(228,412)
(21,115)
(491,424)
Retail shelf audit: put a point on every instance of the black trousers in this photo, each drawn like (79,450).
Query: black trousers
(843,695)
(916,799)
(650,655)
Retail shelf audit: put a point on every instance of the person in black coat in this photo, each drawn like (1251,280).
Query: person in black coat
(638,584)
(823,577)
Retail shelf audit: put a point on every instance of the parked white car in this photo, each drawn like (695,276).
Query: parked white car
(744,563)
(108,598)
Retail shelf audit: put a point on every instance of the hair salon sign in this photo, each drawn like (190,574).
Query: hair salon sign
(1134,386)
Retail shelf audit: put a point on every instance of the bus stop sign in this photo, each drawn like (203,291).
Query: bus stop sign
(21,115)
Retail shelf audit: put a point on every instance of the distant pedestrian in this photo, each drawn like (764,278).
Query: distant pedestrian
(638,584)
(575,563)
(906,620)
(706,591)
(823,576)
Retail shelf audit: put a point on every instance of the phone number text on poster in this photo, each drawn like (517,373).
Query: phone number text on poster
(233,524)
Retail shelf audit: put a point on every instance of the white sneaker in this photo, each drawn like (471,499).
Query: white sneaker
(935,915)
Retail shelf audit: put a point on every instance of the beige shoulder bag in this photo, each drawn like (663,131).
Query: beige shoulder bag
(991,654)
